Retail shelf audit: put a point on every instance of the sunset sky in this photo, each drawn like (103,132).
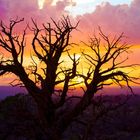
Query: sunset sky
(113,16)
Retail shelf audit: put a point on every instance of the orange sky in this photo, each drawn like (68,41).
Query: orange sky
(113,19)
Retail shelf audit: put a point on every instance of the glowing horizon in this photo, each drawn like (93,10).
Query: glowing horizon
(114,17)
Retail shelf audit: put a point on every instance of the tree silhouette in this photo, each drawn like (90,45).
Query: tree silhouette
(48,45)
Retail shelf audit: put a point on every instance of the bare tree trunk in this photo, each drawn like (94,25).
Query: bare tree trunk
(68,117)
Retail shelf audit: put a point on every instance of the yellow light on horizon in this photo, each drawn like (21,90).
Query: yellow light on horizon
(41,4)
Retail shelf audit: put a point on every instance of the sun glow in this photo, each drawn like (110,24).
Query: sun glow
(41,4)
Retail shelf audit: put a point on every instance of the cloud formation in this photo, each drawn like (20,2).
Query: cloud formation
(29,8)
(115,19)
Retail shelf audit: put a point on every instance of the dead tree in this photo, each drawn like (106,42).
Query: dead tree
(98,76)
(48,45)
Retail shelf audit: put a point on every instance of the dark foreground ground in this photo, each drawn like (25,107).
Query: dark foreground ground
(109,118)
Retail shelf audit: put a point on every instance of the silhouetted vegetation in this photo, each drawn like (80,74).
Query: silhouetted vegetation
(41,78)
(18,119)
